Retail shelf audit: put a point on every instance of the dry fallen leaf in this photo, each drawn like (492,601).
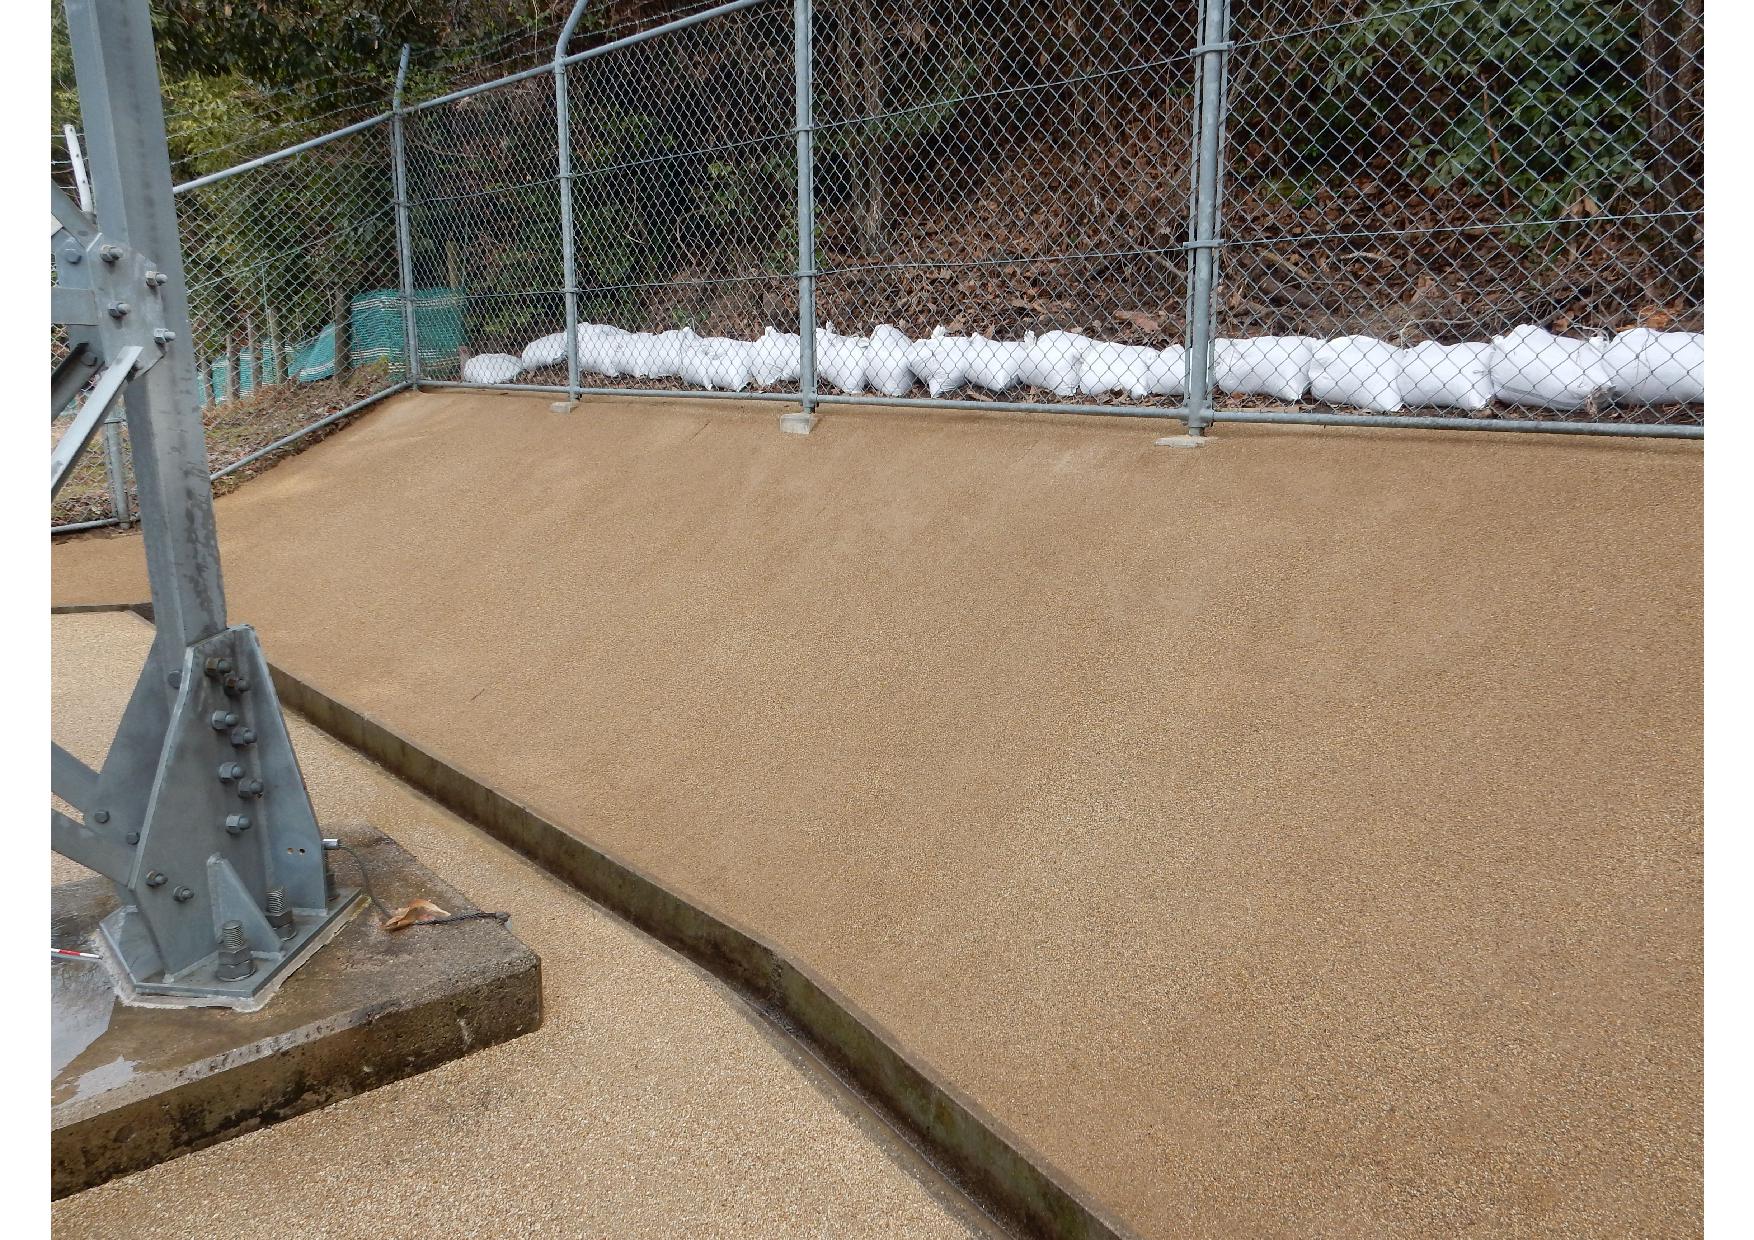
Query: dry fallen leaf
(1143,320)
(413,913)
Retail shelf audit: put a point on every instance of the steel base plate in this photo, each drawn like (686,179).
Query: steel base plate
(120,937)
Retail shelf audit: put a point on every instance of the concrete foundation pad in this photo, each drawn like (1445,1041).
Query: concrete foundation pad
(369,1008)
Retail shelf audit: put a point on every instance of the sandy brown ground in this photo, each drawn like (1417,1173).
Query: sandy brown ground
(1298,836)
(650,1102)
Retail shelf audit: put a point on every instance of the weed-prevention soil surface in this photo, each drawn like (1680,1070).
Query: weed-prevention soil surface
(650,1103)
(1301,835)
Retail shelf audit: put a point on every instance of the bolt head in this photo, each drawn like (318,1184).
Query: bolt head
(72,255)
(102,815)
(133,837)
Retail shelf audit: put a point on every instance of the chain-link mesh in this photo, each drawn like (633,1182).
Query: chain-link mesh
(294,299)
(484,217)
(294,304)
(1017,185)
(1489,208)
(683,192)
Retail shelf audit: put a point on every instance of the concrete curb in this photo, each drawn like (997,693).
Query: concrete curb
(977,1152)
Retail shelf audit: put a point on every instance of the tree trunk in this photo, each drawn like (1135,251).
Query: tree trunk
(871,85)
(861,86)
(340,314)
(1672,33)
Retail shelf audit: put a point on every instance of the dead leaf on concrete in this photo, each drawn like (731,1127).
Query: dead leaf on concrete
(413,913)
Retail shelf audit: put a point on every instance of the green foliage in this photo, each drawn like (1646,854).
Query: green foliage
(1538,104)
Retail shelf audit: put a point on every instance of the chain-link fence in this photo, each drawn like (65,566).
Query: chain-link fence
(681,194)
(1447,213)
(295,310)
(1503,197)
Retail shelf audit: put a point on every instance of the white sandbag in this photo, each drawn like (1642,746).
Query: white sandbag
(993,364)
(886,364)
(1356,370)
(1055,361)
(546,351)
(630,351)
(662,358)
(940,361)
(598,348)
(840,360)
(1647,367)
(777,358)
(716,363)
(1446,376)
(1110,367)
(492,368)
(1264,366)
(1167,375)
(1531,366)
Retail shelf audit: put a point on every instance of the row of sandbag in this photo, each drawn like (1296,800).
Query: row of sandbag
(1526,366)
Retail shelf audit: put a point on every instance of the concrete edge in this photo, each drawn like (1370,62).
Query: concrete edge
(973,1149)
(170,1112)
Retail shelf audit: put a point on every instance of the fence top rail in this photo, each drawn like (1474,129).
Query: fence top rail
(573,58)
(298,148)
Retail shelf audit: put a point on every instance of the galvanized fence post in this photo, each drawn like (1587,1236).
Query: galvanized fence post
(569,258)
(1212,53)
(404,235)
(804,121)
(114,468)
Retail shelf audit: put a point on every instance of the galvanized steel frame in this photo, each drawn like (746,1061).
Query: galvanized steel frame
(199,813)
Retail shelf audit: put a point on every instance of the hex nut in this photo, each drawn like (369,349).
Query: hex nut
(235,960)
